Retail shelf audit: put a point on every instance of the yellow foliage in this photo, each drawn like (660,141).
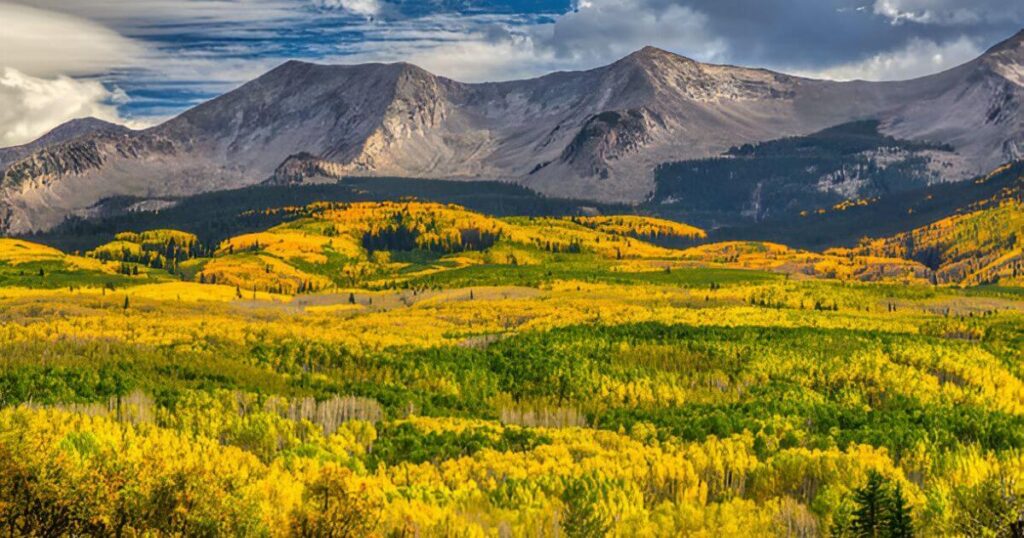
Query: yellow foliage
(16,252)
(260,273)
(633,225)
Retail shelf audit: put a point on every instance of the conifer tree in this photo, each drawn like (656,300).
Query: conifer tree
(871,501)
(897,515)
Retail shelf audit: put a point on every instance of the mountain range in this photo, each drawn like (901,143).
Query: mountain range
(597,135)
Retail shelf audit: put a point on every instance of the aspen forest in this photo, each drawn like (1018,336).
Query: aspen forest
(419,369)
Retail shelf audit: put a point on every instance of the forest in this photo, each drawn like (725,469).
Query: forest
(762,189)
(412,368)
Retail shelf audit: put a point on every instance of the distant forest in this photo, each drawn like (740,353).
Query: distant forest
(783,177)
(215,216)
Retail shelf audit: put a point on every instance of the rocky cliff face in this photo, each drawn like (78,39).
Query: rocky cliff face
(594,134)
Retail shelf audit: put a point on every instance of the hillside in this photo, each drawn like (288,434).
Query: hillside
(981,245)
(418,368)
(595,134)
(330,246)
(216,216)
(782,178)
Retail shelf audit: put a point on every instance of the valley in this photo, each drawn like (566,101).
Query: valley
(419,367)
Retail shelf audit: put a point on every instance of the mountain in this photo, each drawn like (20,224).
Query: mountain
(62,133)
(978,108)
(596,134)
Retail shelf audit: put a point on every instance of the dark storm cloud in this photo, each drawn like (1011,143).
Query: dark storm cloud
(815,34)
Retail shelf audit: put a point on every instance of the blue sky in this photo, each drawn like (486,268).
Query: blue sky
(141,61)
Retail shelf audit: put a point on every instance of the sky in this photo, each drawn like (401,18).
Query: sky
(139,62)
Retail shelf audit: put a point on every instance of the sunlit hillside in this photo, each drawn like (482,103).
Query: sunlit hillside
(414,369)
(837,263)
(329,246)
(392,243)
(983,246)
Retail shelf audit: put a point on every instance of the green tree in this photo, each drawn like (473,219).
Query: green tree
(898,523)
(581,518)
(871,500)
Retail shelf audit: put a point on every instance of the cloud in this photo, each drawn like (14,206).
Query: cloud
(489,48)
(359,7)
(482,60)
(183,52)
(918,58)
(31,106)
(44,43)
(599,31)
(950,12)
(144,17)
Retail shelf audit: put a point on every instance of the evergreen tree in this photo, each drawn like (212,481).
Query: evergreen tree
(871,500)
(897,516)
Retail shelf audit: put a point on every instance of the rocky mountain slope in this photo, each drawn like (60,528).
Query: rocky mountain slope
(62,133)
(594,134)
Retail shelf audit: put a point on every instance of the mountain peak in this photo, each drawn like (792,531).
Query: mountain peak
(75,128)
(650,53)
(1006,58)
(1014,43)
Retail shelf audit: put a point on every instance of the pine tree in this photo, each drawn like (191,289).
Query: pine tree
(871,501)
(897,520)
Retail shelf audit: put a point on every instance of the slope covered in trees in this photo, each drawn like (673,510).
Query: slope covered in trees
(983,244)
(781,178)
(406,368)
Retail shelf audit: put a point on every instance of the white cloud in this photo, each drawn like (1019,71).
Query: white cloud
(40,51)
(145,17)
(43,43)
(476,49)
(478,61)
(31,106)
(359,7)
(950,12)
(918,58)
